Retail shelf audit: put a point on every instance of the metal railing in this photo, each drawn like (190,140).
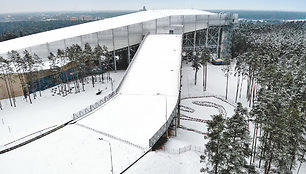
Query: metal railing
(94,106)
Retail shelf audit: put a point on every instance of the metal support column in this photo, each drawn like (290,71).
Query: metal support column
(142,28)
(194,42)
(206,41)
(155,26)
(195,35)
(128,38)
(183,24)
(65,44)
(114,53)
(218,43)
(48,47)
(97,38)
(81,41)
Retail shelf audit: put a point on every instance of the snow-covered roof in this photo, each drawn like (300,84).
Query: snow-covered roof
(92,27)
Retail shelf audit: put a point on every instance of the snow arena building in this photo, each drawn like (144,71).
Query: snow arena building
(148,100)
(123,34)
(200,29)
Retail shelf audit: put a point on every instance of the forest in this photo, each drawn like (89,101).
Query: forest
(11,30)
(69,69)
(272,58)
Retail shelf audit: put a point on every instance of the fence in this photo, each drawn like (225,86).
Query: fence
(184,149)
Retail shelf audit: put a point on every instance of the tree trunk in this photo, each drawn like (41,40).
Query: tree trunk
(270,162)
(226,90)
(253,142)
(238,82)
(12,89)
(255,146)
(248,87)
(251,92)
(263,149)
(39,85)
(7,88)
(195,77)
(204,76)
(240,90)
(254,94)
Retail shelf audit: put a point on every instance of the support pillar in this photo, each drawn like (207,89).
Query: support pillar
(218,43)
(114,53)
(65,44)
(155,26)
(97,38)
(206,41)
(48,47)
(81,42)
(128,38)
(194,42)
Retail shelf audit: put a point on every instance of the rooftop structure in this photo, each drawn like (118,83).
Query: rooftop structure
(117,32)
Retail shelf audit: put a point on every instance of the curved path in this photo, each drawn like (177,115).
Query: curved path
(201,101)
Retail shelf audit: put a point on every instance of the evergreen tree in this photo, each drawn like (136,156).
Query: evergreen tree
(236,137)
(215,152)
(205,58)
(196,64)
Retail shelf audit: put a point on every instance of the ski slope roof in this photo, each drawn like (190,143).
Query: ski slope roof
(92,27)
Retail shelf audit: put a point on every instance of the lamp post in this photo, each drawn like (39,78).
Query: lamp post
(110,152)
(166,112)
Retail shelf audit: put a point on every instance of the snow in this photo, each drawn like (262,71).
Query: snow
(92,27)
(144,103)
(26,119)
(164,161)
(77,149)
(69,150)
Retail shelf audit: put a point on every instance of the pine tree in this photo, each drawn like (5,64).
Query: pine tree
(237,139)
(196,64)
(90,59)
(215,152)
(205,58)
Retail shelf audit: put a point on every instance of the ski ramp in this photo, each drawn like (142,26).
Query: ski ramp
(113,137)
(147,95)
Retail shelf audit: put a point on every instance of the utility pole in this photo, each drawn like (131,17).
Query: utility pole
(110,151)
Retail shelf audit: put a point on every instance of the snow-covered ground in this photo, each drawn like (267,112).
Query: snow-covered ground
(188,161)
(48,110)
(127,121)
(72,149)
(78,149)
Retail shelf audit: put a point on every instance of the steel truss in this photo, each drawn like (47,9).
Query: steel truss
(216,39)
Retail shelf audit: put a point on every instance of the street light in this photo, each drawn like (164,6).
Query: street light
(166,112)
(110,151)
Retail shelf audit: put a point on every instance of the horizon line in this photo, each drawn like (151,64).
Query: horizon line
(130,10)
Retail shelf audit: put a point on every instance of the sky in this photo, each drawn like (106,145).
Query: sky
(16,6)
